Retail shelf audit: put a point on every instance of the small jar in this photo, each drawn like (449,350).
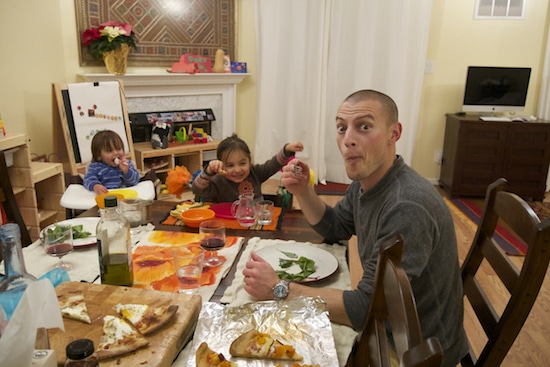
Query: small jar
(80,353)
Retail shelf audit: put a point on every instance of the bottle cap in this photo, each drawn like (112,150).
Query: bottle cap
(80,349)
(111,201)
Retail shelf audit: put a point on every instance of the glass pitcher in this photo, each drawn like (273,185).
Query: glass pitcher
(243,210)
(16,275)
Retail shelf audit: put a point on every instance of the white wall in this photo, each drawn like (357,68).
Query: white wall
(40,46)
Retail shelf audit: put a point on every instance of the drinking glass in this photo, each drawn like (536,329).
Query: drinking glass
(264,211)
(212,239)
(188,264)
(58,242)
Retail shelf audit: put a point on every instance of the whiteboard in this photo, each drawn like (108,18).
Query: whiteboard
(96,107)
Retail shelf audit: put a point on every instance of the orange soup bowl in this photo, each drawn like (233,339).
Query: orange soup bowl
(100,199)
(193,217)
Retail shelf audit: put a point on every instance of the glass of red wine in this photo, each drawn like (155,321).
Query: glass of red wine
(58,242)
(212,239)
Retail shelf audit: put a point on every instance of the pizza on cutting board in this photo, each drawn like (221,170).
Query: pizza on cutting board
(73,306)
(119,337)
(147,319)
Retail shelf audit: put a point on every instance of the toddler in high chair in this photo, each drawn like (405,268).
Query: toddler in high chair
(109,168)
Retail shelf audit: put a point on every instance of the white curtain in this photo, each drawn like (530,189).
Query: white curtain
(544,97)
(311,54)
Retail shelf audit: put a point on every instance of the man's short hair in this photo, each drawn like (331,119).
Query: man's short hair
(387,102)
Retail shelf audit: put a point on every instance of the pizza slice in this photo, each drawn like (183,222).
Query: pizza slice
(119,337)
(73,306)
(145,318)
(206,357)
(254,344)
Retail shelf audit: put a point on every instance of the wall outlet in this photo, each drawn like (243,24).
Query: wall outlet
(438,156)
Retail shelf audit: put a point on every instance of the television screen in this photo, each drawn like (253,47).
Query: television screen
(496,89)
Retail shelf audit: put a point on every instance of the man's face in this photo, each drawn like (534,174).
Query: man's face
(366,142)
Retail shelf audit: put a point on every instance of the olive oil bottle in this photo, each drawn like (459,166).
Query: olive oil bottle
(114,246)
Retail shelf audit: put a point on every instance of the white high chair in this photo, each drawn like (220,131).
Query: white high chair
(76,197)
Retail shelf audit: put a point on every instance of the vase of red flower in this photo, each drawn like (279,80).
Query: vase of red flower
(112,42)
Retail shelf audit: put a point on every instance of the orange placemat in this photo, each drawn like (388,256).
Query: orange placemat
(232,223)
(154,269)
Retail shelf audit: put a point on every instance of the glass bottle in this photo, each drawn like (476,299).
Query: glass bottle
(80,353)
(114,246)
(16,276)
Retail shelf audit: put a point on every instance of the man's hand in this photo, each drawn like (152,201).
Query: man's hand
(295,177)
(259,278)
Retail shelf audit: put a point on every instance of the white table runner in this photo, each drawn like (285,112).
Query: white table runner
(236,295)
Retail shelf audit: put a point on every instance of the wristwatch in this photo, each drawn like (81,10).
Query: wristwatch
(280,291)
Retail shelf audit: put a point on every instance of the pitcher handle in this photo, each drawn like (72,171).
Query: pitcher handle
(234,208)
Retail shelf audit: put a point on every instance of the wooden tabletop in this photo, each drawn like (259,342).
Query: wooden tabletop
(293,227)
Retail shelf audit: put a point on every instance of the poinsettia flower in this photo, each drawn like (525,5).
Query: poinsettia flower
(89,35)
(127,28)
(107,37)
(112,32)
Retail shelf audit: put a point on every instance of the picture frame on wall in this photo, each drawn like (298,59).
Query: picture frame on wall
(165,30)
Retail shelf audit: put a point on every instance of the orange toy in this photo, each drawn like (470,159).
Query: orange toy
(178,180)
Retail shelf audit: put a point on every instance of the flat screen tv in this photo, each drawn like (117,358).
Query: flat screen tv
(496,89)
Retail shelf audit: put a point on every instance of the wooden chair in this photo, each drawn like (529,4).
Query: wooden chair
(7,199)
(523,285)
(393,300)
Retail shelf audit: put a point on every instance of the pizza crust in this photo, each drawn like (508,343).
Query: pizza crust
(147,319)
(73,306)
(254,344)
(206,357)
(119,337)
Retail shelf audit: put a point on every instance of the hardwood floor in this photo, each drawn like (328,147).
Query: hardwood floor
(531,348)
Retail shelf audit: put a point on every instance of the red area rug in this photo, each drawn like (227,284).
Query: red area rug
(503,237)
(331,188)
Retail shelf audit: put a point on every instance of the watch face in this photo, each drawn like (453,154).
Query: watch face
(280,291)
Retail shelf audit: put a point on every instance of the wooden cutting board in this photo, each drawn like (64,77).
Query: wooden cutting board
(164,345)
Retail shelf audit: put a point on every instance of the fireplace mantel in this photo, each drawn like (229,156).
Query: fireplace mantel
(167,85)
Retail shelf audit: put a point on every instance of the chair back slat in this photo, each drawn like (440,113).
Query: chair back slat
(522,284)
(393,301)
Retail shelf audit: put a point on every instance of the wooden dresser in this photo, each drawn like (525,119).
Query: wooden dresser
(476,153)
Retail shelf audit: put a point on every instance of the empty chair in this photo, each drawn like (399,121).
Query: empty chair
(7,199)
(393,300)
(523,284)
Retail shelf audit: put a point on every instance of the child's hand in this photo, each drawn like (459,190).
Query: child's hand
(124,164)
(215,166)
(294,147)
(100,189)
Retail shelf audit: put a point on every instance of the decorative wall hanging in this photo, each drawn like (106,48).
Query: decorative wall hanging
(164,29)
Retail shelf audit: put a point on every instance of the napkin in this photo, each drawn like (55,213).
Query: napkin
(37,308)
(9,300)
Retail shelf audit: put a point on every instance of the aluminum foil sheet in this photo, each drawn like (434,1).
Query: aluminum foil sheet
(302,322)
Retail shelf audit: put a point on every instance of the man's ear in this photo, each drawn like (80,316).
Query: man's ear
(395,132)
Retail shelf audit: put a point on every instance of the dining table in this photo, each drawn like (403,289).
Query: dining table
(293,228)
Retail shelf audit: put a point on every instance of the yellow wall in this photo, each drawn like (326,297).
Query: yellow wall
(458,41)
(39,47)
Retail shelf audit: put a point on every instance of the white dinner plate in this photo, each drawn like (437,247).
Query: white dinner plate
(89,225)
(326,264)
